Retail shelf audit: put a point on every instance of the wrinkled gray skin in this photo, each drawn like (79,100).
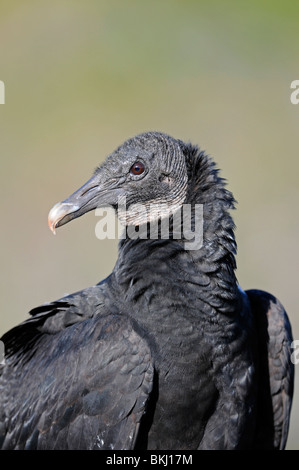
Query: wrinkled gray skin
(164,180)
(167,352)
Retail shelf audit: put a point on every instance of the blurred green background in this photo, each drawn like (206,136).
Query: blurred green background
(81,77)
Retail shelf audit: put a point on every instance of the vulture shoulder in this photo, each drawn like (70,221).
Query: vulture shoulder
(276,371)
(86,375)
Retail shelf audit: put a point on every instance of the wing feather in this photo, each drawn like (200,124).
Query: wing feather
(82,384)
(276,378)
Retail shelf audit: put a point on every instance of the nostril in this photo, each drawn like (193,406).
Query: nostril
(89,189)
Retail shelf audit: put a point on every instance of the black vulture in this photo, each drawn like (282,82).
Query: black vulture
(168,352)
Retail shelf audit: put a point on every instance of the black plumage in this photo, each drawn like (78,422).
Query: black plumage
(166,353)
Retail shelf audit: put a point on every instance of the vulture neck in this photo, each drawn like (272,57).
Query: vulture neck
(148,269)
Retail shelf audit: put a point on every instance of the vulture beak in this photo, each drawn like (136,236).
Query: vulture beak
(91,195)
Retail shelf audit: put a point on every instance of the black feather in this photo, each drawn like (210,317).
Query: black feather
(167,352)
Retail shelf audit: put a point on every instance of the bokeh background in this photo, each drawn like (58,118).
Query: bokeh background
(81,77)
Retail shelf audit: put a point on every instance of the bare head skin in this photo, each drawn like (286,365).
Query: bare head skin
(149,169)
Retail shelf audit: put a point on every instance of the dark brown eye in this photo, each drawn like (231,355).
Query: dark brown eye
(137,168)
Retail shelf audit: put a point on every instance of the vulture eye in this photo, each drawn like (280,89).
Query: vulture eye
(137,168)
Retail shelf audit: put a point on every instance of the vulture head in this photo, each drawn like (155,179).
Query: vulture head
(149,169)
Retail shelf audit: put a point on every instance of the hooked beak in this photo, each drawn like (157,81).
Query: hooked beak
(90,196)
